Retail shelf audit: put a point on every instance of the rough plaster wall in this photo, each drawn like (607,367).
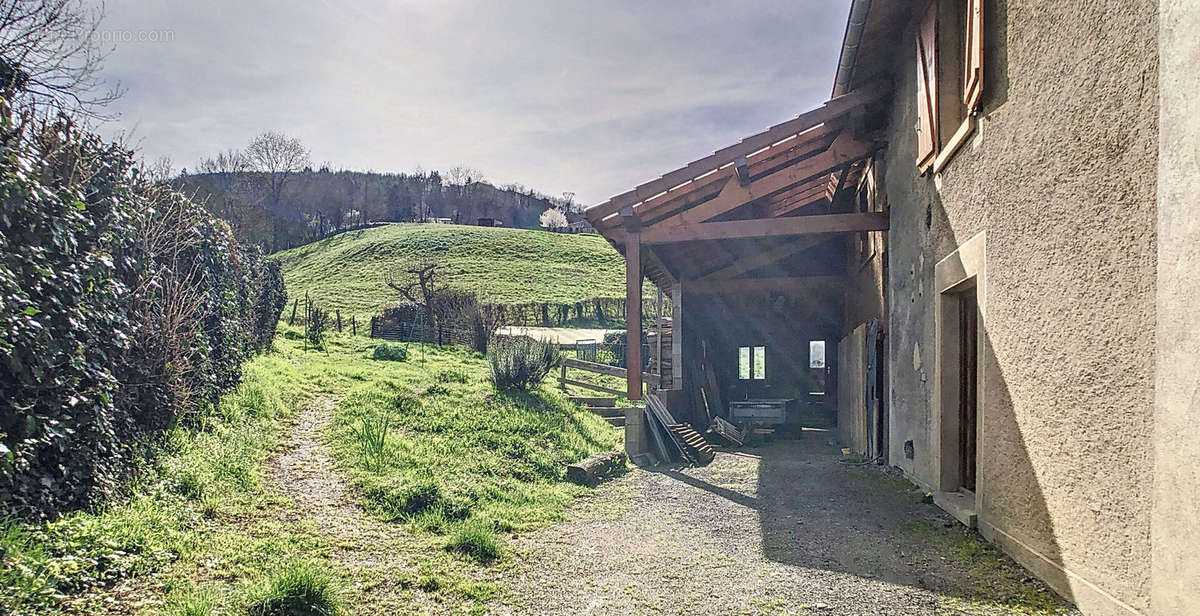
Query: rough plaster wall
(1175,526)
(1063,180)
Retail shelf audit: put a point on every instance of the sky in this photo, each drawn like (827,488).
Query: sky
(560,95)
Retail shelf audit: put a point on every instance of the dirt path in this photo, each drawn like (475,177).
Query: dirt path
(375,554)
(783,529)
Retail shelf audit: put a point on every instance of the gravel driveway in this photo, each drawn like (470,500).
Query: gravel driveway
(785,528)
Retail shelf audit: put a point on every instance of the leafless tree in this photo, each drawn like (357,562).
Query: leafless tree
(462,175)
(49,53)
(227,162)
(159,170)
(278,157)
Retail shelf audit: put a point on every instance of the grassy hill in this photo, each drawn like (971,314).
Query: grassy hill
(348,272)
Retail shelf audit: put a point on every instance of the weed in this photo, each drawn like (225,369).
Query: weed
(372,436)
(437,389)
(453,376)
(300,589)
(477,540)
(192,603)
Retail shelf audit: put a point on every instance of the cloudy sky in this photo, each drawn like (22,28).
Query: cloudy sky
(559,95)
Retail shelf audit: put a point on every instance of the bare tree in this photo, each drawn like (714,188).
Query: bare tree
(553,219)
(159,170)
(462,175)
(278,157)
(49,55)
(229,161)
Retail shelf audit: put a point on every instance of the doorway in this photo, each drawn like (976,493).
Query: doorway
(968,387)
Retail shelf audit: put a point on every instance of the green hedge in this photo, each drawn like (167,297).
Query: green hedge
(123,306)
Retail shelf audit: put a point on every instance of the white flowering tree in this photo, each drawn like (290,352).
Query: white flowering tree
(553,220)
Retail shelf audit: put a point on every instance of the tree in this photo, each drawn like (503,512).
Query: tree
(553,220)
(49,57)
(277,157)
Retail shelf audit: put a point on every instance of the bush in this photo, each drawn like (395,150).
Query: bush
(301,589)
(520,363)
(390,352)
(123,306)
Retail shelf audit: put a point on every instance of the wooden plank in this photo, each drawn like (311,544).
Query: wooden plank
(586,385)
(767,227)
(633,313)
(733,195)
(829,110)
(712,391)
(764,258)
(616,371)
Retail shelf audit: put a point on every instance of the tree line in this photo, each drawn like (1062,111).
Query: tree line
(272,195)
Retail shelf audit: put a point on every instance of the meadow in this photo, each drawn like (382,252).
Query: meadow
(349,271)
(439,469)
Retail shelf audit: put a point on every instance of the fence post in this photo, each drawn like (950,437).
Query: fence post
(562,378)
(295,302)
(353,326)
(339,319)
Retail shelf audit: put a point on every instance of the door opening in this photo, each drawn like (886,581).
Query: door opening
(968,393)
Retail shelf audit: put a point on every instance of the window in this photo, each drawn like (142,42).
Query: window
(949,78)
(752,363)
(816,354)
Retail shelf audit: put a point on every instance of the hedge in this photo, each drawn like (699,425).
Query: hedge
(123,308)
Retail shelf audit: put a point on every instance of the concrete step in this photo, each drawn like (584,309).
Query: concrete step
(591,401)
(618,422)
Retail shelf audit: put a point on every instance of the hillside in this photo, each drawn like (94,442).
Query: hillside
(349,271)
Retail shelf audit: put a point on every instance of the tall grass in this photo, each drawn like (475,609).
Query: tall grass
(299,589)
(371,434)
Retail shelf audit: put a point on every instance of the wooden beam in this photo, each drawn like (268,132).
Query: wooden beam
(791,201)
(764,258)
(805,284)
(766,227)
(677,336)
(831,109)
(633,313)
(843,150)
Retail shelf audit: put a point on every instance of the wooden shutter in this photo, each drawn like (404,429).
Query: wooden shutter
(973,56)
(927,117)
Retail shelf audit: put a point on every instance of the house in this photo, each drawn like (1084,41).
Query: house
(489,222)
(580,226)
(992,226)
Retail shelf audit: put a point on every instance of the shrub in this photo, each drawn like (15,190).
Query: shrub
(475,539)
(520,363)
(390,352)
(301,589)
(316,326)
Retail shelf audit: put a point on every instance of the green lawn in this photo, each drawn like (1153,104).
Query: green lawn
(348,272)
(446,464)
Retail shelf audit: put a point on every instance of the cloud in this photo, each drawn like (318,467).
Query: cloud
(592,97)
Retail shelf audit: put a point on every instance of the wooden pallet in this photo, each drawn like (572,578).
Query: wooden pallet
(700,451)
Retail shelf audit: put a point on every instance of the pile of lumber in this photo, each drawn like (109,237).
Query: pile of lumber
(672,441)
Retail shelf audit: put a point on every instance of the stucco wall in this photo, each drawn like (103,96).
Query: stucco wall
(1061,175)
(1175,526)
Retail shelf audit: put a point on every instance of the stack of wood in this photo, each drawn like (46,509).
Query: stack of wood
(673,441)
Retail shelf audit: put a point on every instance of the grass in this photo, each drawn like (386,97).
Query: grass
(453,463)
(300,589)
(348,271)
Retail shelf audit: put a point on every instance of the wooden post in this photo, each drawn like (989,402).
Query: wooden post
(562,377)
(633,306)
(658,324)
(677,335)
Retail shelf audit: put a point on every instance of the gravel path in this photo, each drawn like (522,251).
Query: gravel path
(786,528)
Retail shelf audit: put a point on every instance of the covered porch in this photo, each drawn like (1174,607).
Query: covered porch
(768,249)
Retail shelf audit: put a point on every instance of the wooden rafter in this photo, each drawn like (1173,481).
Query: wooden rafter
(733,195)
(767,227)
(830,110)
(704,188)
(759,259)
